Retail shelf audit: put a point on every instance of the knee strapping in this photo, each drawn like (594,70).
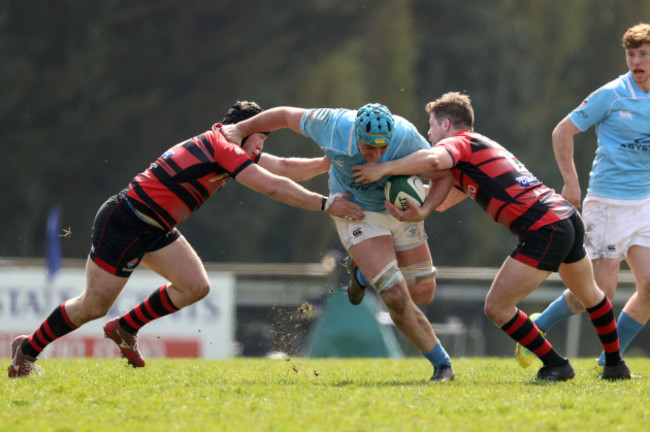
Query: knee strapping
(419,272)
(388,277)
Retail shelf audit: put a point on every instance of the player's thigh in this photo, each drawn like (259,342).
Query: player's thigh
(416,264)
(579,279)
(102,288)
(638,258)
(178,263)
(415,255)
(606,271)
(419,272)
(373,255)
(513,282)
(638,306)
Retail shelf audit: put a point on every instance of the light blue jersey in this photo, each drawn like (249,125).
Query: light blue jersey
(620,111)
(332,130)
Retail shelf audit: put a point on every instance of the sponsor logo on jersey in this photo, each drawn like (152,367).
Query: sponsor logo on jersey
(640,144)
(584,103)
(643,139)
(637,146)
(527,180)
(471,191)
(239,150)
(169,153)
(625,115)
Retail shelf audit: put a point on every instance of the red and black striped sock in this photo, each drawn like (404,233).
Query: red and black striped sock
(157,305)
(602,317)
(526,333)
(56,325)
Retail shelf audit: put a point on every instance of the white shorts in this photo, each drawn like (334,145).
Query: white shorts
(406,235)
(612,226)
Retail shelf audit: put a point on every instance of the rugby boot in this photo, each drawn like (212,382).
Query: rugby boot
(598,368)
(356,291)
(21,364)
(127,342)
(562,372)
(443,373)
(619,371)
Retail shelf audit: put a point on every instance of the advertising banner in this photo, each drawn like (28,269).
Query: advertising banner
(204,329)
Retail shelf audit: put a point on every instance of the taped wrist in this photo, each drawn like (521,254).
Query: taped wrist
(330,200)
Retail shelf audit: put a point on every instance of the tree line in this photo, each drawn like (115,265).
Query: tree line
(92,92)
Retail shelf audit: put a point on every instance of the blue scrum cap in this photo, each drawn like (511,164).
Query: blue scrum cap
(374,125)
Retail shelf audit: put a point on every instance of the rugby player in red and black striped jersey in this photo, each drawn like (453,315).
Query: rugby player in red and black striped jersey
(549,228)
(138,225)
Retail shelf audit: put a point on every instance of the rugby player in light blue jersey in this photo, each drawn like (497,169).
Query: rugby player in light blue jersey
(390,255)
(616,208)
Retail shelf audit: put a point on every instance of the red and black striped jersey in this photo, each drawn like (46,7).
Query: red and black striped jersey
(501,185)
(185,176)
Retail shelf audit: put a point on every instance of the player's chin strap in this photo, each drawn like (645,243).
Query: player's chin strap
(330,200)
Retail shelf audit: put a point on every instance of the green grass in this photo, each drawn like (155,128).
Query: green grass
(303,394)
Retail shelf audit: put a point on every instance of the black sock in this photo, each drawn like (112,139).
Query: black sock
(602,317)
(526,333)
(56,325)
(157,305)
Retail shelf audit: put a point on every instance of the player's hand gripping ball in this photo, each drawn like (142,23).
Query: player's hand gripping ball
(399,189)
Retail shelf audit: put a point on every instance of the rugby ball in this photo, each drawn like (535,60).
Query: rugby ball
(399,189)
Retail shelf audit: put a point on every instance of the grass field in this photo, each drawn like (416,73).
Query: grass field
(301,394)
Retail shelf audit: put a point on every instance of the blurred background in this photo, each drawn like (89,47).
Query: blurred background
(92,92)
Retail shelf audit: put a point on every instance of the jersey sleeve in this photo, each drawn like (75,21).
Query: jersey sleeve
(416,138)
(593,109)
(230,157)
(455,147)
(318,123)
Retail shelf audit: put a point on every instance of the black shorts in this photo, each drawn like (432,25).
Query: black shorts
(120,239)
(553,244)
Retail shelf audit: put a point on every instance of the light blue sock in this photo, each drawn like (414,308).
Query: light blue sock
(556,311)
(628,328)
(362,278)
(438,356)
